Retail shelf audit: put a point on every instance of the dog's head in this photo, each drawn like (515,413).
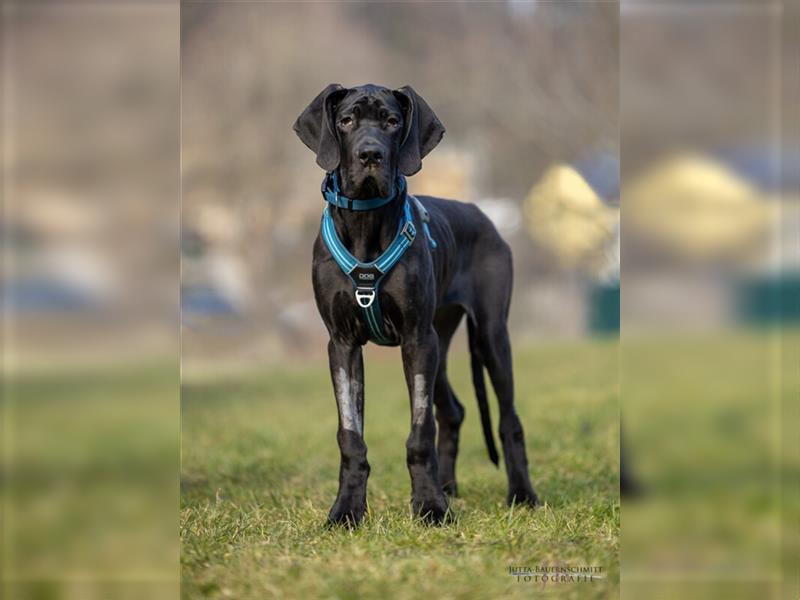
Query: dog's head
(369,133)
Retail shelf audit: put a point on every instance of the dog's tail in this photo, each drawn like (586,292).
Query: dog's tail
(479,383)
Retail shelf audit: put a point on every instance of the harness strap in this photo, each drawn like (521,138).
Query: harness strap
(426,218)
(366,277)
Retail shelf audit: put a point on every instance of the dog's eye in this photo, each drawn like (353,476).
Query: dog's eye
(393,121)
(346,121)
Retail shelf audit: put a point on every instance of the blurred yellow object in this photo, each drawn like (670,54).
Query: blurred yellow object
(566,216)
(694,207)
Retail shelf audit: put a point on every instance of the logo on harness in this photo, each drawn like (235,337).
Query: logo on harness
(366,276)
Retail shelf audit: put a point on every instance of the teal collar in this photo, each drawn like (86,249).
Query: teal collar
(332,194)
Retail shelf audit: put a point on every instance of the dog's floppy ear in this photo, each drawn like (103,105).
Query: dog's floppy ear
(423,130)
(315,126)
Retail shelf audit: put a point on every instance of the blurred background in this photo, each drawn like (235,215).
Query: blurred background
(90,269)
(708,353)
(528,92)
(108,110)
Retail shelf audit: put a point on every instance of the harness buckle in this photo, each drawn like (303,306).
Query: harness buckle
(365,297)
(409,231)
(426,217)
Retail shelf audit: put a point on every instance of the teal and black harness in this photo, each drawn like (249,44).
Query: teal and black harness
(367,276)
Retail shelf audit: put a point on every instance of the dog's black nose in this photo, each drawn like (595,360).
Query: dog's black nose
(370,156)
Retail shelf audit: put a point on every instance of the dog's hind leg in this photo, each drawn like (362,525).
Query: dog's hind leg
(449,411)
(491,315)
(347,372)
(497,355)
(449,416)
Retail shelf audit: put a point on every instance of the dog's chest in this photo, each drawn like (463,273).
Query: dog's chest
(346,319)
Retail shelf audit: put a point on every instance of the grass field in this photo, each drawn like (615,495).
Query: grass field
(260,466)
(90,458)
(711,424)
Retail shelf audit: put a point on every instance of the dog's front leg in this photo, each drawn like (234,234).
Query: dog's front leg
(347,372)
(420,362)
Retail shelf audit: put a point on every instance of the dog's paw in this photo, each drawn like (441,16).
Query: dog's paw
(346,513)
(433,511)
(524,496)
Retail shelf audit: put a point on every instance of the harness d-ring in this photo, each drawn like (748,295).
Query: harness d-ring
(365,297)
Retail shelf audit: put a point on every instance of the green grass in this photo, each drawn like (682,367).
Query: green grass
(260,466)
(90,458)
(705,421)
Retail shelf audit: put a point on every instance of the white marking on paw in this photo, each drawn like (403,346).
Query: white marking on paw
(420,403)
(346,394)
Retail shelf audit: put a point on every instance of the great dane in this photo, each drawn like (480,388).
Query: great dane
(450,261)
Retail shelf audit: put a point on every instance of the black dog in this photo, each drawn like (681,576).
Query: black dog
(367,138)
